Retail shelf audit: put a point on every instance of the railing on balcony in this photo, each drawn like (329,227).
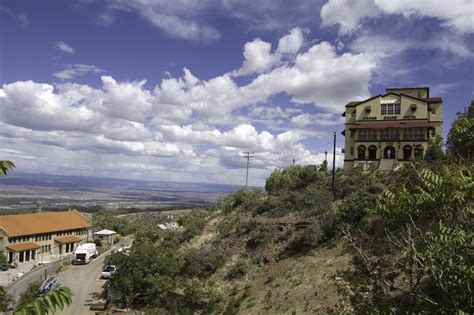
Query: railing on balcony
(417,137)
(389,137)
(392,137)
(367,138)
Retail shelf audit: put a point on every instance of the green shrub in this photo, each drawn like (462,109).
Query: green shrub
(242,201)
(29,295)
(203,262)
(238,270)
(193,224)
(319,232)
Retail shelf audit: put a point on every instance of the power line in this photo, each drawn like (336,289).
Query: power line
(247,155)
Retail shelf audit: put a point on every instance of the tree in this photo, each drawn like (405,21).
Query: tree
(460,138)
(424,264)
(435,149)
(29,295)
(49,303)
(5,299)
(5,167)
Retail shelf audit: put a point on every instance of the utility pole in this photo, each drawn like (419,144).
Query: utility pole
(334,165)
(247,155)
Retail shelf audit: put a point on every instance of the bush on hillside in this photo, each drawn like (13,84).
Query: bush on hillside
(295,178)
(319,232)
(204,261)
(238,270)
(193,223)
(241,201)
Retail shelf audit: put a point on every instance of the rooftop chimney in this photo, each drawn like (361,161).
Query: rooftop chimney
(39,207)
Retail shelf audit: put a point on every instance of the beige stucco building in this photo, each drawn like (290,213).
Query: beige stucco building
(390,129)
(32,236)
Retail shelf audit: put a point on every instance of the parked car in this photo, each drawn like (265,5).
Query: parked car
(108,271)
(13,265)
(48,285)
(19,275)
(42,262)
(4,266)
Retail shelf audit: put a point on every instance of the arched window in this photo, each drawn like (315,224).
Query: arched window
(372,152)
(389,153)
(361,152)
(407,152)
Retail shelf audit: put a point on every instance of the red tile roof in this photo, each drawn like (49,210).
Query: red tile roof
(67,239)
(42,222)
(23,246)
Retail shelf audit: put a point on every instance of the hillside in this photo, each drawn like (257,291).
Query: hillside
(379,245)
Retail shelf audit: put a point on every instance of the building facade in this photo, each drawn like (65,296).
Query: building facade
(388,130)
(34,236)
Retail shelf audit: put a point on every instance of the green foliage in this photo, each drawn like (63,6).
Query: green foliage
(146,276)
(238,270)
(203,261)
(242,201)
(427,254)
(355,207)
(3,258)
(193,223)
(460,141)
(5,299)
(5,167)
(49,303)
(435,150)
(294,178)
(29,295)
(324,166)
(109,219)
(317,233)
(199,296)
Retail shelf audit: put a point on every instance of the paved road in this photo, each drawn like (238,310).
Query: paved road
(81,279)
(84,282)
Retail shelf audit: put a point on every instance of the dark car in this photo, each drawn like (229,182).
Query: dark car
(48,285)
(4,266)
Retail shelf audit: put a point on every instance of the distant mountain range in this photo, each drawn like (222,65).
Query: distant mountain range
(78,182)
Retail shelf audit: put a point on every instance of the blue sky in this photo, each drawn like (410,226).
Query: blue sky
(176,90)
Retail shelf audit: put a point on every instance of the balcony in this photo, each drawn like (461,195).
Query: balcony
(390,137)
(417,137)
(366,138)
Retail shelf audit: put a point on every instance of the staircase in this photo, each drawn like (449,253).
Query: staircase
(387,165)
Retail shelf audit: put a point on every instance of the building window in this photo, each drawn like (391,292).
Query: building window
(407,152)
(351,151)
(372,152)
(352,133)
(361,152)
(353,113)
(397,108)
(390,109)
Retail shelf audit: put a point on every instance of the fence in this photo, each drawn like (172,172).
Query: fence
(37,274)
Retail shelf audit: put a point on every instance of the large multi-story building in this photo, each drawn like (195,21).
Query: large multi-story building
(26,237)
(390,129)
